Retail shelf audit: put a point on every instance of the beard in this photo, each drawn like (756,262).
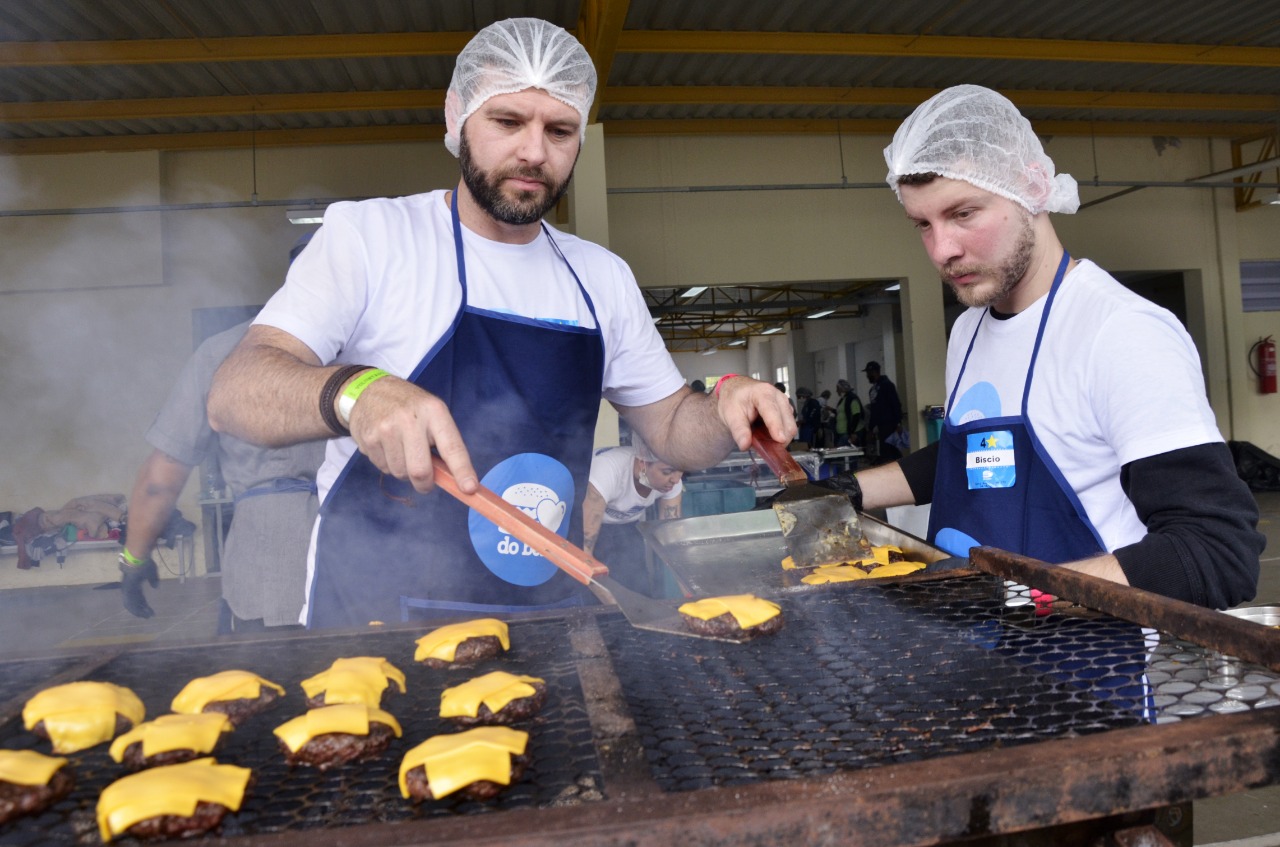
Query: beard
(525,207)
(1006,275)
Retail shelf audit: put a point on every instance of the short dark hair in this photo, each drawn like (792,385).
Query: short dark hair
(918,179)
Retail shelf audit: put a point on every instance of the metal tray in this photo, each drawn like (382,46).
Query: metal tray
(743,551)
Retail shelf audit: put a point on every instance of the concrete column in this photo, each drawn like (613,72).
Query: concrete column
(924,344)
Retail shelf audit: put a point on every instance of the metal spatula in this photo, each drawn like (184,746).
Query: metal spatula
(819,526)
(641,612)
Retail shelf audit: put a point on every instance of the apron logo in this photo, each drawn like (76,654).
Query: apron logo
(540,487)
(989,460)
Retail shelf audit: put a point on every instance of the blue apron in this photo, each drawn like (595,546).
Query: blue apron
(384,549)
(1025,504)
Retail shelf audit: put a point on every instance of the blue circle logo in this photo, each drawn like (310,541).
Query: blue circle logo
(540,487)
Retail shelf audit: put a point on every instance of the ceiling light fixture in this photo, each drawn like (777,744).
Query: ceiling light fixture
(822,314)
(305,216)
(1271,199)
(708,351)
(771,330)
(693,292)
(894,287)
(737,343)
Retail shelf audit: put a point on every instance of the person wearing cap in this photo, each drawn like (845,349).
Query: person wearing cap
(625,482)
(458,322)
(884,413)
(1058,442)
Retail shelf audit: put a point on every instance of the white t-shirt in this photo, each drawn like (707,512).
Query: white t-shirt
(378,285)
(611,476)
(1117,379)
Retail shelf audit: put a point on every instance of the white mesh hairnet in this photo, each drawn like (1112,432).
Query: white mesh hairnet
(510,56)
(975,134)
(642,450)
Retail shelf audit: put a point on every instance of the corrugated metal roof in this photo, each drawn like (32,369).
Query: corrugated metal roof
(139,74)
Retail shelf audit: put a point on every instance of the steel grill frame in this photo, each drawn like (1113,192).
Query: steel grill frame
(1102,779)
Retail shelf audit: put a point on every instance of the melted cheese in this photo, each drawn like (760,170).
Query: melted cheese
(455,761)
(227,685)
(169,790)
(834,573)
(27,767)
(80,715)
(357,680)
(351,718)
(747,609)
(897,569)
(443,643)
(494,690)
(174,732)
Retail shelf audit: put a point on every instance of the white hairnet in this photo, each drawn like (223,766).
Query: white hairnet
(974,134)
(510,56)
(642,450)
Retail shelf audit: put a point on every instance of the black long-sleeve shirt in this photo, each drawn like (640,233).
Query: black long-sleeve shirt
(1202,543)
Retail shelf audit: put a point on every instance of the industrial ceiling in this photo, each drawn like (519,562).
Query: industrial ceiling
(125,75)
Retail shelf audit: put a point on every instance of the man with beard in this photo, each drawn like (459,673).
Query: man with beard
(1077,429)
(457,321)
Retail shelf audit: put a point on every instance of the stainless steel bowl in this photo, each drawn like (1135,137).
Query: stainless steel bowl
(1266,615)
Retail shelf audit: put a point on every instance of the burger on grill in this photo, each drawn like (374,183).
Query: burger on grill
(31,782)
(170,739)
(335,735)
(80,715)
(478,764)
(739,617)
(463,644)
(237,694)
(495,698)
(885,560)
(171,801)
(362,679)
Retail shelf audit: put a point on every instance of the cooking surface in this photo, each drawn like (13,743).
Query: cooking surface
(863,677)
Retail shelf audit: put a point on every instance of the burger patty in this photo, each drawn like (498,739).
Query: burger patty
(133,759)
(470,651)
(337,748)
(482,789)
(726,626)
(18,800)
(239,711)
(123,725)
(519,709)
(204,818)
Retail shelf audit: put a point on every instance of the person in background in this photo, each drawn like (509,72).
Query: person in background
(827,428)
(624,483)
(264,560)
(698,387)
(884,413)
(849,418)
(810,416)
(1057,441)
(471,329)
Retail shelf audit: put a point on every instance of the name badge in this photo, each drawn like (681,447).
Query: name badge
(989,462)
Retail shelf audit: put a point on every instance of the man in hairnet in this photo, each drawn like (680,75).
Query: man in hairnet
(1077,430)
(457,321)
(624,483)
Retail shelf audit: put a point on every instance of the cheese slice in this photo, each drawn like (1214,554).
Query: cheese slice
(361,679)
(174,732)
(494,690)
(27,767)
(455,761)
(169,790)
(443,643)
(897,569)
(227,685)
(351,718)
(834,573)
(747,609)
(80,715)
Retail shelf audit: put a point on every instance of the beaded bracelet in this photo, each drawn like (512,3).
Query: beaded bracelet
(329,394)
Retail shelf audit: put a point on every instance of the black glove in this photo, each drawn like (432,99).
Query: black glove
(132,577)
(842,483)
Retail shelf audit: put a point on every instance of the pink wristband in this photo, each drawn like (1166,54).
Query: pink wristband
(719,382)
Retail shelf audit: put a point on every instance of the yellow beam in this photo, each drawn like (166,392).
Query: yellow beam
(194,107)
(943,46)
(243,49)
(599,26)
(223,140)
(790,126)
(686,95)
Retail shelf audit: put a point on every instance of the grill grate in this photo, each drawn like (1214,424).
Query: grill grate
(564,769)
(876,675)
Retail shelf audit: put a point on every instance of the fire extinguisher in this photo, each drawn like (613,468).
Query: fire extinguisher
(1266,369)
